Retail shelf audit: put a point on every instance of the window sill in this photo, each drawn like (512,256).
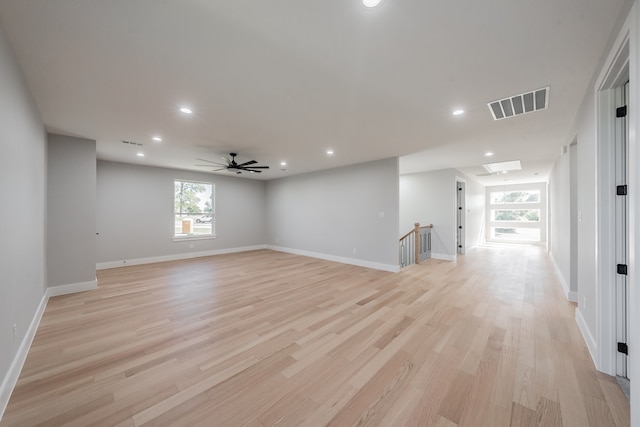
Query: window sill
(185,238)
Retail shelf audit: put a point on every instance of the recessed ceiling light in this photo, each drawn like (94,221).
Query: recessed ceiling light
(140,154)
(488,154)
(157,139)
(329,152)
(458,112)
(371,3)
(186,110)
(283,163)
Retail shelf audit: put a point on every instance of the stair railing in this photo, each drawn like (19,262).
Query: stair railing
(415,246)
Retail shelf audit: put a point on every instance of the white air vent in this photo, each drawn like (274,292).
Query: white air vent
(520,104)
(138,144)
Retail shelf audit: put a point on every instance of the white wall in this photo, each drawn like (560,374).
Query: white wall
(430,198)
(71,211)
(560,219)
(23,167)
(475,212)
(135,217)
(330,214)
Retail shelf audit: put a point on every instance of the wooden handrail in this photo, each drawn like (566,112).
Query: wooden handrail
(414,230)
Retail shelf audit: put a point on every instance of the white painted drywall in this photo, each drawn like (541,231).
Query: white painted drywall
(23,167)
(587,208)
(429,198)
(560,218)
(135,217)
(475,212)
(336,211)
(71,210)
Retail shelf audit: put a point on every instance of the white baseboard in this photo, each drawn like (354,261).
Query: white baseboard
(73,288)
(571,296)
(587,336)
(444,257)
(11,378)
(351,261)
(175,257)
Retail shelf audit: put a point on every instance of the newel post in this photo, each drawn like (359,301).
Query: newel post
(416,245)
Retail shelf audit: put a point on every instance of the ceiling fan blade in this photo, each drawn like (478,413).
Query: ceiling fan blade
(250,162)
(257,167)
(217,170)
(205,160)
(212,162)
(216,164)
(252,171)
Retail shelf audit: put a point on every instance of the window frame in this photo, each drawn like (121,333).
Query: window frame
(186,237)
(541,206)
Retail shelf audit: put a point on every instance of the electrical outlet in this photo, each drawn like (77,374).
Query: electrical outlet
(15,332)
(354,251)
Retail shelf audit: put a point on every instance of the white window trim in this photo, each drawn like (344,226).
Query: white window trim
(212,235)
(542,224)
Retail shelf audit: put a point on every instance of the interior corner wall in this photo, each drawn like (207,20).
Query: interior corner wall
(430,198)
(71,211)
(23,167)
(560,218)
(348,214)
(135,218)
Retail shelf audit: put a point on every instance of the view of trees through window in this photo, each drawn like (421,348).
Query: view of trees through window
(502,197)
(516,215)
(193,208)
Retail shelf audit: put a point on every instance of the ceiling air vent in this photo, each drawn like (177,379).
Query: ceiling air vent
(520,104)
(132,143)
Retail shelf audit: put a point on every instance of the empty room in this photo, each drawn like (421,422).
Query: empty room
(353,212)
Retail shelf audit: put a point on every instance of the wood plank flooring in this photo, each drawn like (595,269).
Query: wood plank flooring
(271,339)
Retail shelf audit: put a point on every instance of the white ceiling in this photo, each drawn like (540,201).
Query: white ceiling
(284,80)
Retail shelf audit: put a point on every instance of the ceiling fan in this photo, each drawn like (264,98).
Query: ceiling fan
(232,166)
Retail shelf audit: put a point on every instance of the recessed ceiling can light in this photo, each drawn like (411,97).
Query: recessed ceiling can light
(140,154)
(329,152)
(371,3)
(458,112)
(157,139)
(488,154)
(186,110)
(283,163)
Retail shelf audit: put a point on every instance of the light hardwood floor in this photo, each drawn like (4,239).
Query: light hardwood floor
(265,338)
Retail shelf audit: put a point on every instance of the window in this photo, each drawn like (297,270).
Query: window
(516,213)
(194,210)
(526,196)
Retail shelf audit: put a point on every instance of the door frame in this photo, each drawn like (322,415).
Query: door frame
(460,202)
(616,72)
